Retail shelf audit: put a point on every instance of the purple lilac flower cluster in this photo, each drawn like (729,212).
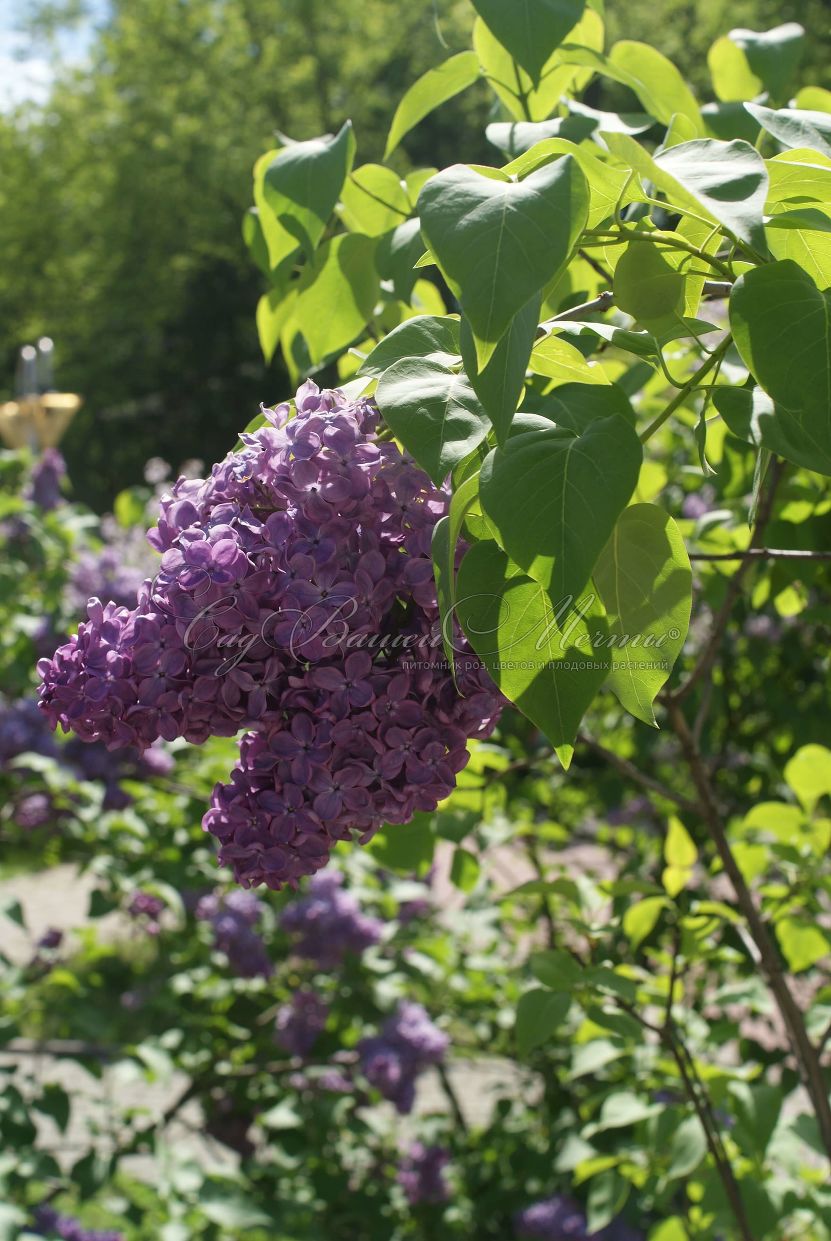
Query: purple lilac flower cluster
(146,909)
(50,1224)
(409,1042)
(300,1022)
(422,1174)
(561,1219)
(24,730)
(234,918)
(328,922)
(295,598)
(44,486)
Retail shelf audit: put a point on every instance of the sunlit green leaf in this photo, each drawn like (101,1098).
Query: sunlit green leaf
(433,88)
(499,242)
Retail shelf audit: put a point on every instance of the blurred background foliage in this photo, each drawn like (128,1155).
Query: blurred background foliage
(121,197)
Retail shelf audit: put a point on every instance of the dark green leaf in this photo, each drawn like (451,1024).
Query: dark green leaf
(574,405)
(516,137)
(426,336)
(554,498)
(782,326)
(499,241)
(499,386)
(398,252)
(301,186)
(728,179)
(555,969)
(406,847)
(539,1013)
(753,417)
(647,286)
(433,411)
(464,870)
(794,127)
(538,653)
(645,581)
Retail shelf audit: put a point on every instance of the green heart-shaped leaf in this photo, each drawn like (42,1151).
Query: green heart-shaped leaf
(554,498)
(530,29)
(300,188)
(540,655)
(433,411)
(499,242)
(753,417)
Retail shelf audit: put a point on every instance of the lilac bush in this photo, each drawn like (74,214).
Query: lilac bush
(49,1223)
(560,1218)
(295,599)
(114,570)
(300,1022)
(45,481)
(422,1174)
(327,922)
(409,1042)
(233,918)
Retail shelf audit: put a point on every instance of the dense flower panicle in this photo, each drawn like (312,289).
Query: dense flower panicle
(148,909)
(44,486)
(422,1174)
(24,730)
(699,503)
(328,922)
(560,1218)
(409,1042)
(295,598)
(49,1223)
(33,811)
(300,1022)
(233,918)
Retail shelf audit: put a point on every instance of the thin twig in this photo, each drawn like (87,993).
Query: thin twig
(596,267)
(762,553)
(806,1055)
(452,1097)
(606,300)
(708,656)
(631,772)
(670,1039)
(689,387)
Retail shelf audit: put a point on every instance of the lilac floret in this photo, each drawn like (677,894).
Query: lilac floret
(560,1218)
(48,473)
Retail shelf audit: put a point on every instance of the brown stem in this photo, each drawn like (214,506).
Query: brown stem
(630,772)
(452,1098)
(807,1059)
(697,1094)
(708,656)
(762,553)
